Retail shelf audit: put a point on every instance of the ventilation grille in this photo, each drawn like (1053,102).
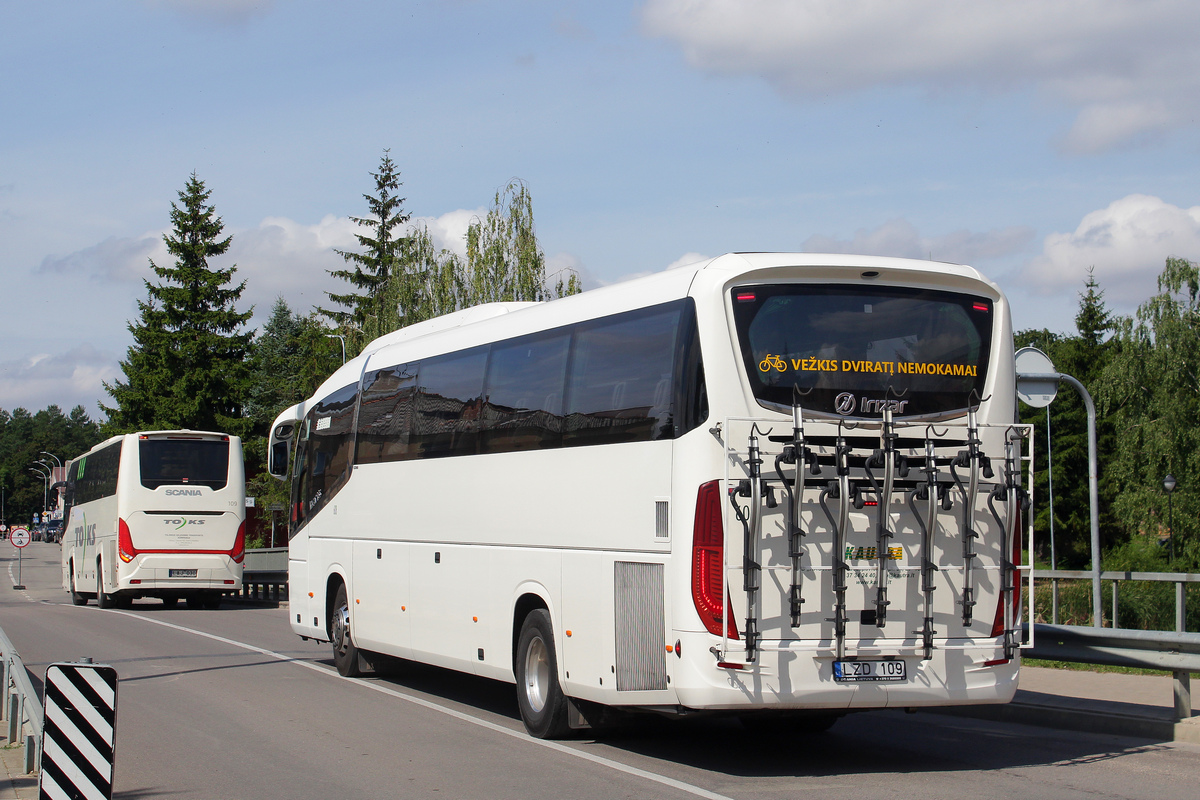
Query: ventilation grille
(661,527)
(640,618)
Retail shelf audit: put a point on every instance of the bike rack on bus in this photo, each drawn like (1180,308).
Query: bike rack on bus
(883,475)
(973,458)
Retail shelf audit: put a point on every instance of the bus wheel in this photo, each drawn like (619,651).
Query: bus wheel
(539,696)
(211,601)
(77,598)
(102,600)
(169,601)
(345,654)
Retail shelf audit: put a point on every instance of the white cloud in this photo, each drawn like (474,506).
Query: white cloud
(67,379)
(900,238)
(1126,243)
(686,260)
(1128,69)
(115,260)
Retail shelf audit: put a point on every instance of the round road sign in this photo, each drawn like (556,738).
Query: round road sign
(19,537)
(1035,392)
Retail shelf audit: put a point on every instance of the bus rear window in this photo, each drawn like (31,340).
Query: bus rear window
(184,462)
(851,351)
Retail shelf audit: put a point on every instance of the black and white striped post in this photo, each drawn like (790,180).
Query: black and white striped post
(78,732)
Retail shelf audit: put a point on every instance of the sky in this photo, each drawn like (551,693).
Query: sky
(1034,141)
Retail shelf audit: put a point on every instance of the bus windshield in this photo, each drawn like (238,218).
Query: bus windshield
(184,461)
(852,350)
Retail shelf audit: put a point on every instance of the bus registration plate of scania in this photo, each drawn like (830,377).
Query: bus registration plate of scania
(182,573)
(889,669)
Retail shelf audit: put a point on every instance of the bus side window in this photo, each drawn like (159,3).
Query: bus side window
(385,415)
(523,408)
(614,391)
(449,403)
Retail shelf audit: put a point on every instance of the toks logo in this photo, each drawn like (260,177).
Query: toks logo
(84,534)
(180,523)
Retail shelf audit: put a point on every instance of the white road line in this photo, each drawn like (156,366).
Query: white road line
(450,712)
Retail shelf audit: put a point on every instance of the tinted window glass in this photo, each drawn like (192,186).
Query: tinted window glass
(323,454)
(850,349)
(524,393)
(385,417)
(95,475)
(191,462)
(620,387)
(448,404)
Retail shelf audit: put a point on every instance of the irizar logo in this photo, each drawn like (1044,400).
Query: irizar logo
(184,492)
(180,522)
(845,404)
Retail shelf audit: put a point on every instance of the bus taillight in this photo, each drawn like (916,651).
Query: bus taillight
(125,548)
(708,555)
(239,544)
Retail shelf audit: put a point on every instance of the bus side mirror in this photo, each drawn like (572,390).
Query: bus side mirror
(277,463)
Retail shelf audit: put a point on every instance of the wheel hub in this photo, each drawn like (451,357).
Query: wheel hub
(537,674)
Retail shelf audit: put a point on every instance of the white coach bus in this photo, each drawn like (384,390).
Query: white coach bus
(155,514)
(785,486)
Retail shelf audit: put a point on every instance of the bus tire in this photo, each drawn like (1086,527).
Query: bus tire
(77,598)
(211,601)
(102,600)
(169,601)
(345,653)
(539,696)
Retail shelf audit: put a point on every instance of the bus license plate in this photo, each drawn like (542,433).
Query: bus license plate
(885,670)
(182,573)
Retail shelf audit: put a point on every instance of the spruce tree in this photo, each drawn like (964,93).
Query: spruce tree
(371,310)
(186,367)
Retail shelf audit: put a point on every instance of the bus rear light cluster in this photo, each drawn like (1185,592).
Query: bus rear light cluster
(239,544)
(708,557)
(125,548)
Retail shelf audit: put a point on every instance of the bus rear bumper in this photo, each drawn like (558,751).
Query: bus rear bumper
(161,573)
(960,673)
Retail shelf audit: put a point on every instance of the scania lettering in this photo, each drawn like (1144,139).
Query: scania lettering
(156,514)
(780,486)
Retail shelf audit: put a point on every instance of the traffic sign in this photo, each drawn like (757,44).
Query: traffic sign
(19,537)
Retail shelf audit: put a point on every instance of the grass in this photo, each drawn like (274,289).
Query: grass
(1038,662)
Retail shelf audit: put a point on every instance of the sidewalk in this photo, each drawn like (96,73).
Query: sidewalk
(14,783)
(1095,702)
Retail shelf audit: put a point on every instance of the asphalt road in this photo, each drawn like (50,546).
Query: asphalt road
(229,703)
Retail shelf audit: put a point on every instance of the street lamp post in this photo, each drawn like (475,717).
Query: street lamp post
(45,485)
(1169,484)
(342,339)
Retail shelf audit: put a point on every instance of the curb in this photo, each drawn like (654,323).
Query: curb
(1031,712)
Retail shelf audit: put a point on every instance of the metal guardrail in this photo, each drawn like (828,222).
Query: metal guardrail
(1177,651)
(22,708)
(265,575)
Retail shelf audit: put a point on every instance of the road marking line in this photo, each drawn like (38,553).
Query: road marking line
(450,712)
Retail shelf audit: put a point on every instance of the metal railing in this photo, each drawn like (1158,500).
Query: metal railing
(22,709)
(265,575)
(1177,651)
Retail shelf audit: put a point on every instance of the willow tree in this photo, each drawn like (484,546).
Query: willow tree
(1153,383)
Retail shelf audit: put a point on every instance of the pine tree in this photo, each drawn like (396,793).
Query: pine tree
(371,309)
(186,367)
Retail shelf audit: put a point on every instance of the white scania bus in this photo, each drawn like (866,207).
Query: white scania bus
(155,514)
(786,486)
